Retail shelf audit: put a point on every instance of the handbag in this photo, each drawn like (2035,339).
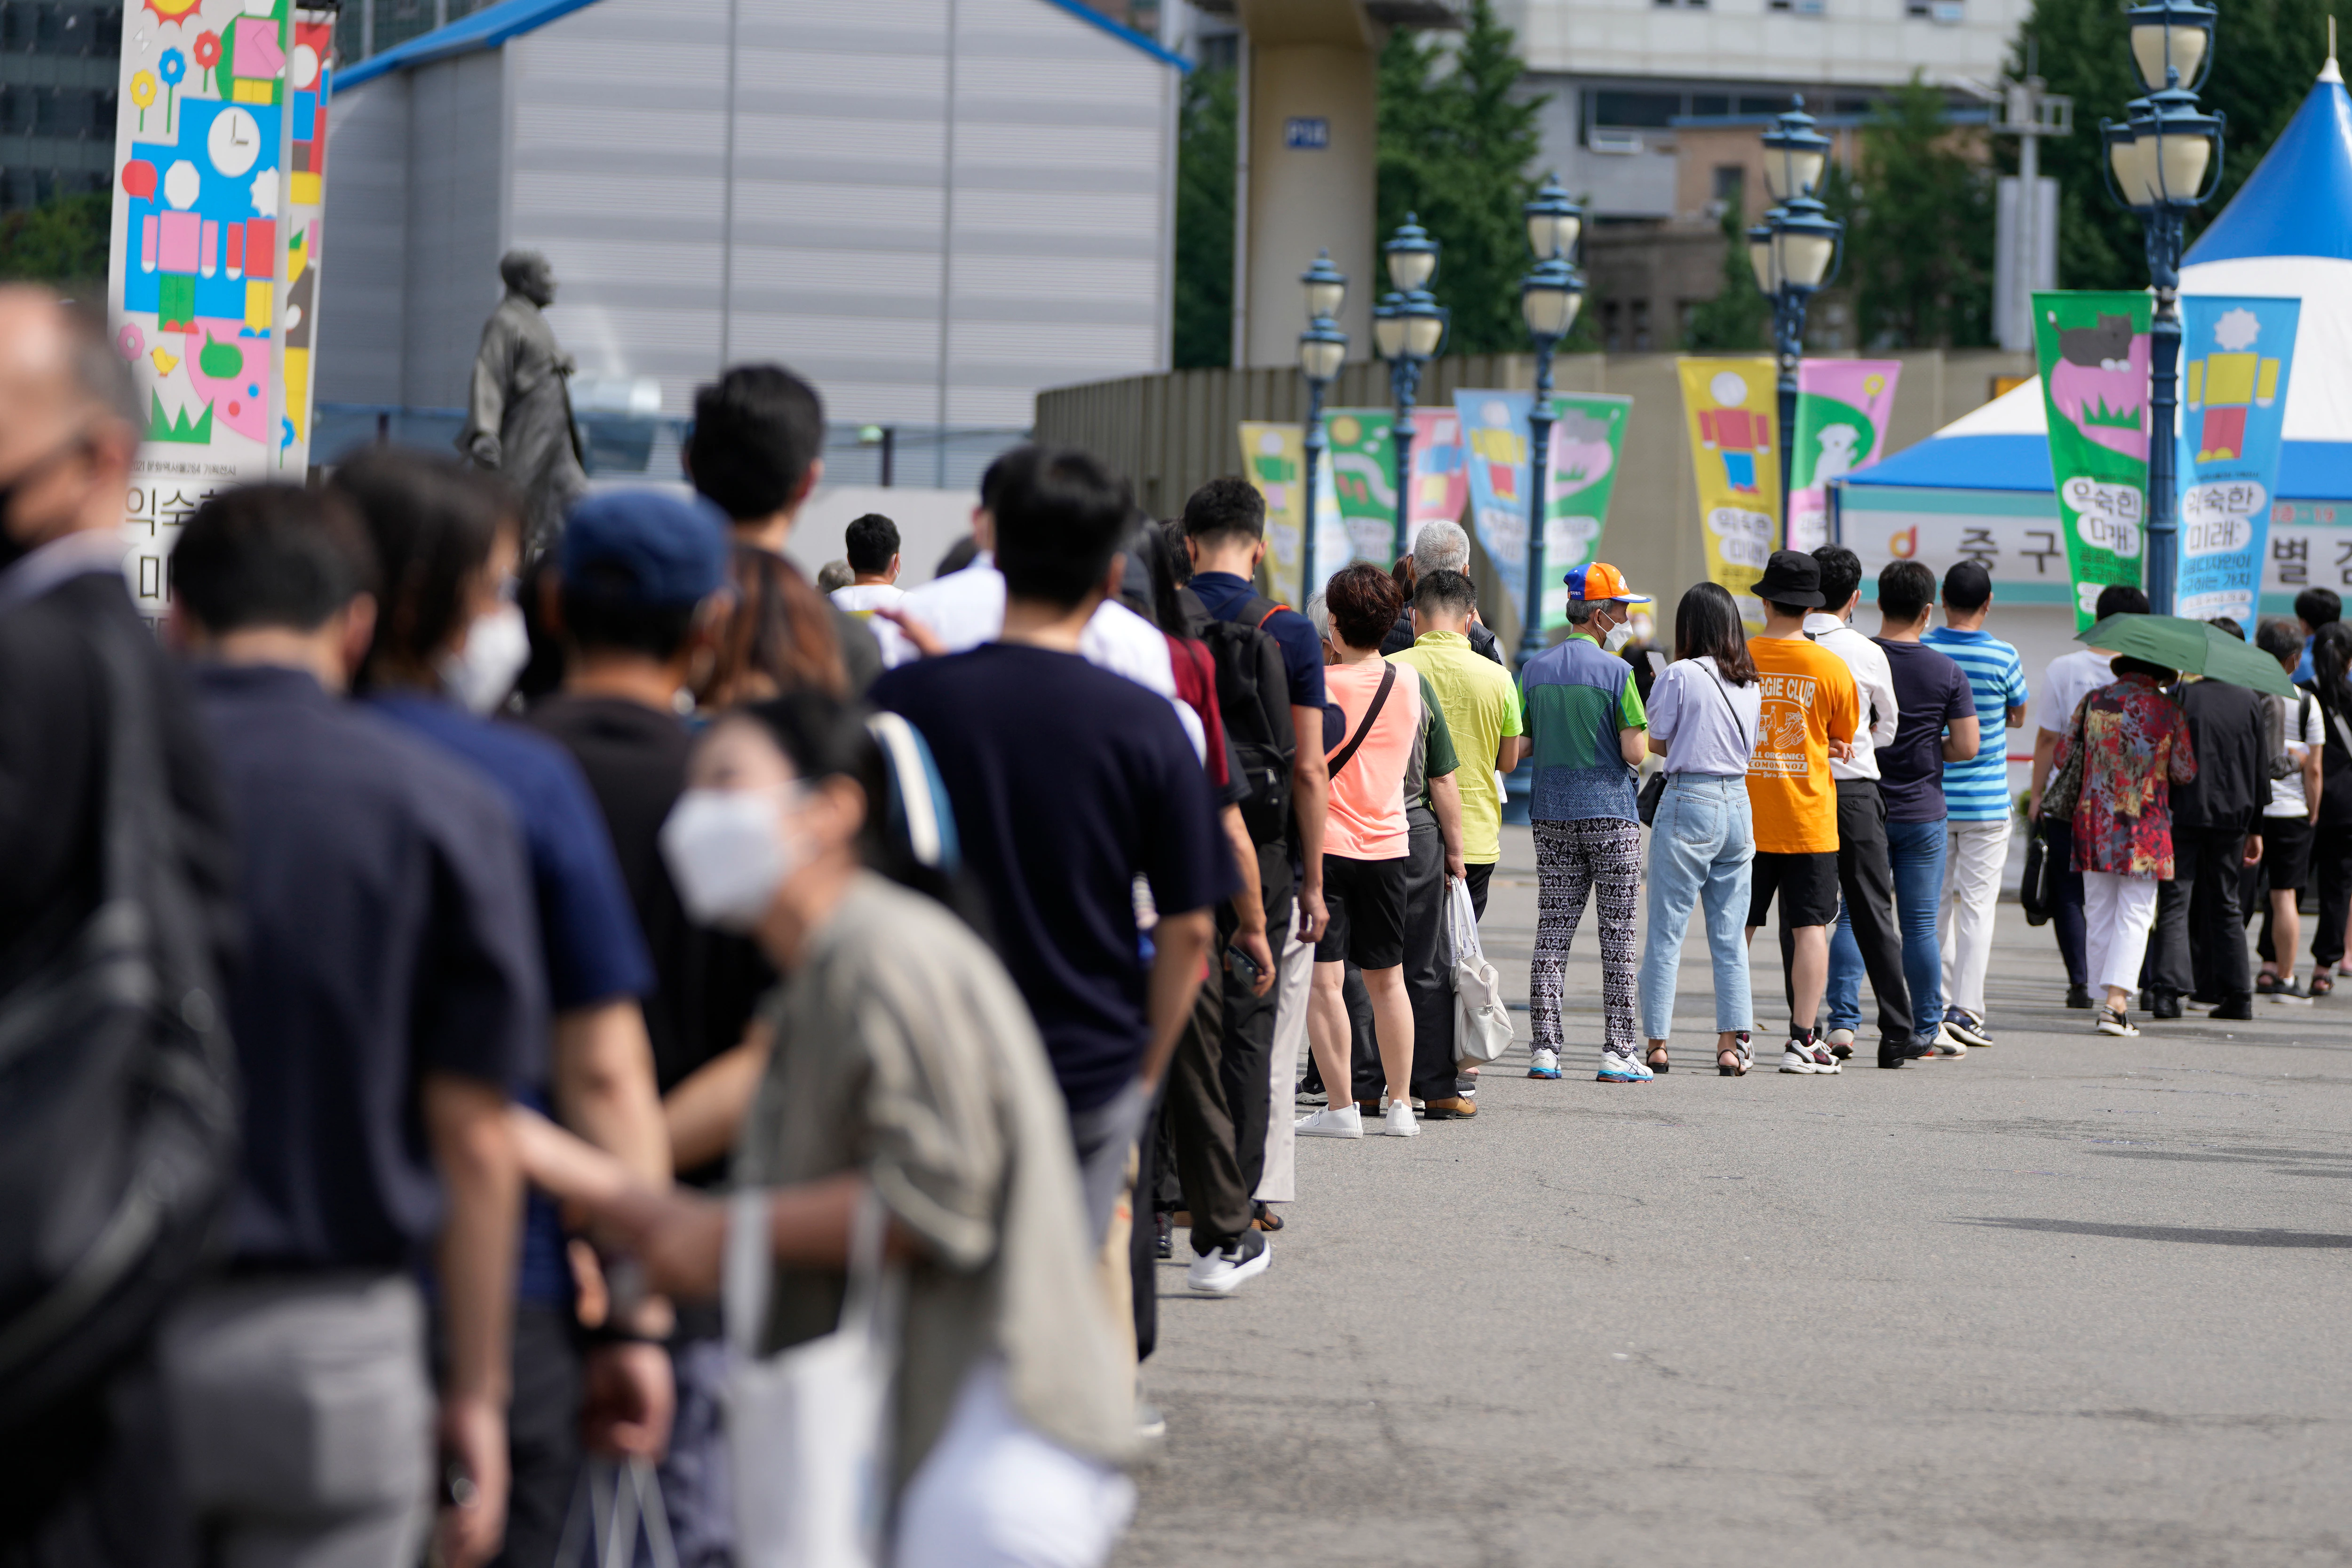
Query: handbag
(1646,804)
(808,1429)
(2064,791)
(1482,1019)
(2035,892)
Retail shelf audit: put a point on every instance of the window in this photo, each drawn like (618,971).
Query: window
(1710,104)
(1638,111)
(1730,180)
(1611,334)
(1640,326)
(1772,105)
(1854,106)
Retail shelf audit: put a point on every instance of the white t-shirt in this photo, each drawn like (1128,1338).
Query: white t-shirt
(862,599)
(1873,683)
(2306,729)
(2072,677)
(1704,733)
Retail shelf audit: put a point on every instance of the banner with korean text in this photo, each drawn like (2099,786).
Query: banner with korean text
(1842,409)
(2093,353)
(1273,458)
(2236,357)
(1731,405)
(311,75)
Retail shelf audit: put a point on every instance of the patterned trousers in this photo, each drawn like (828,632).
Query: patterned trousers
(1601,854)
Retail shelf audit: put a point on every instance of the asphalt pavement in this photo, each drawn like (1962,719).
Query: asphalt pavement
(2069,1301)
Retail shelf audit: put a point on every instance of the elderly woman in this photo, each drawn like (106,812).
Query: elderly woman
(2135,742)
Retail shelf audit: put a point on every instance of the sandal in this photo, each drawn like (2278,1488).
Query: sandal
(2321,982)
(1742,1058)
(1656,1062)
(1265,1219)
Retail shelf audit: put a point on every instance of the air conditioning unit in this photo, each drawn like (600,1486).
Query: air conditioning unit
(1950,13)
(1809,7)
(1622,143)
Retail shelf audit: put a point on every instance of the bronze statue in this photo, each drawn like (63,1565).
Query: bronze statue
(519,415)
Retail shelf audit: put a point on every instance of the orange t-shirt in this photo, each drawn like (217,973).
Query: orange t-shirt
(1367,820)
(1809,698)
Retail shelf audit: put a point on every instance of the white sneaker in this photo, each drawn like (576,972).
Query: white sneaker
(1542,1063)
(1222,1270)
(1400,1123)
(1799,1059)
(1840,1042)
(1330,1123)
(1947,1043)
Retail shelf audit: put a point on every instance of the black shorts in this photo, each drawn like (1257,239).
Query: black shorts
(1366,901)
(1808,886)
(2286,852)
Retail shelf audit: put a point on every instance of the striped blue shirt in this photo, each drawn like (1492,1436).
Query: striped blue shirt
(1978,789)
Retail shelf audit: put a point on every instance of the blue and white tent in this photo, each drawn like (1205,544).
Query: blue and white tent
(1982,485)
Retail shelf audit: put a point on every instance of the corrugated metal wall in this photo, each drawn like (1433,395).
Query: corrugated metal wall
(363,275)
(456,114)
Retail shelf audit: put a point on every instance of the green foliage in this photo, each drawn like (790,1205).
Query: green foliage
(61,242)
(2266,54)
(1919,240)
(1455,148)
(1204,221)
(1739,317)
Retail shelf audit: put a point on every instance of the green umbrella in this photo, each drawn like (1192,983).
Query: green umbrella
(2190,646)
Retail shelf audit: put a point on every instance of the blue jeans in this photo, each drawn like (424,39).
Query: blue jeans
(1700,848)
(1917,849)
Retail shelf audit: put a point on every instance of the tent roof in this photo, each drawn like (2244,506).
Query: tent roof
(2298,201)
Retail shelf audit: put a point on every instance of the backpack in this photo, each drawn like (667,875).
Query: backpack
(2283,766)
(118,1102)
(1253,700)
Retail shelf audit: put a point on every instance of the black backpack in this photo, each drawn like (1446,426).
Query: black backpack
(118,1105)
(1253,701)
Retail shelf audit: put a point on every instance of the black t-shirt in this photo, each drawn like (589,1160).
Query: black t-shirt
(1067,783)
(706,983)
(390,933)
(1932,690)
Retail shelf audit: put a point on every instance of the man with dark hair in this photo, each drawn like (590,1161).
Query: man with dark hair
(2071,677)
(872,542)
(1069,782)
(1865,938)
(2315,608)
(640,574)
(390,987)
(87,1476)
(758,452)
(1224,539)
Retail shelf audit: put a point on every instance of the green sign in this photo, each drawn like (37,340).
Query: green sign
(1587,435)
(2093,348)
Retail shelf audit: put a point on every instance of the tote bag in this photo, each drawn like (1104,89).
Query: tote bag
(1482,1019)
(808,1429)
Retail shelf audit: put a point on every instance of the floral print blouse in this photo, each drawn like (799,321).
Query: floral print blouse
(2136,741)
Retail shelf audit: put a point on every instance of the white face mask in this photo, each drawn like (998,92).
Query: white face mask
(482,673)
(727,856)
(1618,635)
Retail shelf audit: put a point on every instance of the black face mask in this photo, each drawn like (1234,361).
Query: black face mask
(11,549)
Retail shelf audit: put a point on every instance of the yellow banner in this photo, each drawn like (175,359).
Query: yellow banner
(1731,407)
(1274,458)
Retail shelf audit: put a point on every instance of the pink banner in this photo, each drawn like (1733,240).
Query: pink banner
(1440,480)
(1843,406)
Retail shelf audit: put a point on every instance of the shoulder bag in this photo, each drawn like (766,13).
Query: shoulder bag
(1646,803)
(1346,753)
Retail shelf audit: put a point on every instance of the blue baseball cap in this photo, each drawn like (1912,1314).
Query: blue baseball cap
(645,547)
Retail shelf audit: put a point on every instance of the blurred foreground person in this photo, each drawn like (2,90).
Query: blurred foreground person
(101,755)
(906,1070)
(390,984)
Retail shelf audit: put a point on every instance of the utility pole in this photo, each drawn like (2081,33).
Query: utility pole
(2023,110)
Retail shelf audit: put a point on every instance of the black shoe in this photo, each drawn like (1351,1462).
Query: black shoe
(2147,1000)
(2165,1004)
(2079,998)
(2237,1009)
(1893,1056)
(1163,1246)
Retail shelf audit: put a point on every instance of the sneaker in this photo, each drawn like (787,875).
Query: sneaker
(1311,1094)
(1947,1044)
(1465,1087)
(1840,1042)
(1542,1063)
(1615,1068)
(1149,1424)
(1330,1123)
(2079,998)
(2291,994)
(2114,1021)
(1219,1273)
(1400,1123)
(1163,1243)
(1967,1028)
(1461,1108)
(1806,1053)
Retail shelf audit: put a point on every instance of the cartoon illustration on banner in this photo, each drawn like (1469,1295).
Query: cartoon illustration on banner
(2093,353)
(312,72)
(2238,354)
(1730,404)
(1355,492)
(1842,409)
(1273,456)
(1441,468)
(1496,442)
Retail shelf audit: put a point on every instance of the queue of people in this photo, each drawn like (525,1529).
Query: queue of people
(555,1016)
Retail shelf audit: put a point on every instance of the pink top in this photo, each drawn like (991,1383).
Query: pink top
(1367,821)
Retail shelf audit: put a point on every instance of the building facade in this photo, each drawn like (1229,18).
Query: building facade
(58,60)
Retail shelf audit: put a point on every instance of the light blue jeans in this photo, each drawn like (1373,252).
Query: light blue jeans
(1917,849)
(1700,849)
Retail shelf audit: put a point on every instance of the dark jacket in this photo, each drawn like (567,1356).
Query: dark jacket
(2233,778)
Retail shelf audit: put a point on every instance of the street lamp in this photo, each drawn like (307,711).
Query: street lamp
(2161,162)
(1549,298)
(1408,329)
(1322,348)
(1794,253)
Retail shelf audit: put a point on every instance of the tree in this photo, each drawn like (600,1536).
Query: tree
(2265,53)
(1739,317)
(1919,240)
(1456,149)
(62,242)
(1204,221)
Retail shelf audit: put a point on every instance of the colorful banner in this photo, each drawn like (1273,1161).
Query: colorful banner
(1355,492)
(1842,409)
(1588,433)
(1440,470)
(2236,356)
(1273,456)
(1730,404)
(198,249)
(1498,449)
(311,71)
(2093,349)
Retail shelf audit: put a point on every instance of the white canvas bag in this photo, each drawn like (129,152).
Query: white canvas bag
(1482,1019)
(808,1429)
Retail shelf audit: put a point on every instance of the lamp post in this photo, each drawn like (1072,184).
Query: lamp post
(1408,329)
(1794,252)
(1322,347)
(1549,297)
(2163,160)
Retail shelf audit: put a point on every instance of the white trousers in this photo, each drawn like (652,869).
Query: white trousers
(1972,866)
(2117,914)
(996,1493)
(1293,978)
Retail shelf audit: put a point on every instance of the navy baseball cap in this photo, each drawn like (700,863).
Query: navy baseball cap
(645,547)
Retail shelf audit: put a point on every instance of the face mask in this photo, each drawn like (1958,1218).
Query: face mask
(481,675)
(1618,635)
(726,855)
